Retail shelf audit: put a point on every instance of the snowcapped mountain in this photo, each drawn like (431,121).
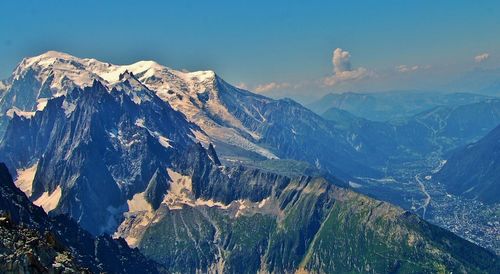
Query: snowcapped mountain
(94,145)
(241,124)
(53,74)
(134,151)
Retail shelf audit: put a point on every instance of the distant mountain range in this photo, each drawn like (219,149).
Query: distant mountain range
(392,105)
(440,129)
(203,176)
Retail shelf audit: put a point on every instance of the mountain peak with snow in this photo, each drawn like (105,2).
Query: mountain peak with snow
(82,71)
(196,94)
(51,54)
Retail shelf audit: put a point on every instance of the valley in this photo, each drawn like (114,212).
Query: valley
(228,137)
(435,133)
(414,188)
(200,176)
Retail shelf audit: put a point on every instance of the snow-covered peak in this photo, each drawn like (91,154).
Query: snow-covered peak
(44,60)
(195,94)
(47,57)
(59,72)
(54,54)
(83,71)
(144,65)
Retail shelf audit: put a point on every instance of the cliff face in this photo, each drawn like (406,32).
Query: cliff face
(221,219)
(97,146)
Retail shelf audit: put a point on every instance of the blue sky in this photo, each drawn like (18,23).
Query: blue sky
(268,46)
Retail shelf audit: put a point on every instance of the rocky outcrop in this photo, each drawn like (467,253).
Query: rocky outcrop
(24,250)
(157,188)
(35,243)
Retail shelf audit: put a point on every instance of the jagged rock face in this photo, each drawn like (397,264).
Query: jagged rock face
(34,243)
(96,146)
(239,219)
(157,188)
(474,170)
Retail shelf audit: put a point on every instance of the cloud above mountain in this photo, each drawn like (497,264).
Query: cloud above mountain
(242,85)
(343,71)
(271,86)
(481,57)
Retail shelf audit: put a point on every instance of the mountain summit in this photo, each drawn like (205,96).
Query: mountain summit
(163,159)
(241,124)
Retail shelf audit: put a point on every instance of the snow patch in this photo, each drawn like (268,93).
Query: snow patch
(263,202)
(68,108)
(201,137)
(139,122)
(358,147)
(354,185)
(164,141)
(49,201)
(138,203)
(41,103)
(21,113)
(210,203)
(25,177)
(439,167)
(180,190)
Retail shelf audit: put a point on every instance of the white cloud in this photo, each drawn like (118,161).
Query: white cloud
(481,57)
(271,86)
(341,60)
(342,70)
(242,85)
(407,68)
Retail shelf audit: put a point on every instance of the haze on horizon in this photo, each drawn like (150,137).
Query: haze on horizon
(281,49)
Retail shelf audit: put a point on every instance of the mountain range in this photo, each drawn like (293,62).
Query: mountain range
(241,124)
(439,129)
(203,176)
(391,105)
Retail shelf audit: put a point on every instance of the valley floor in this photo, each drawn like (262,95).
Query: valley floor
(412,187)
